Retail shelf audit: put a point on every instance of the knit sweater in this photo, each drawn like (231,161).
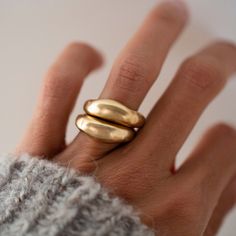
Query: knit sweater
(38,197)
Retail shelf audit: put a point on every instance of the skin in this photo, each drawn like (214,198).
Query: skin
(192,200)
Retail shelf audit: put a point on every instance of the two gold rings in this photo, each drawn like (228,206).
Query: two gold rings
(109,121)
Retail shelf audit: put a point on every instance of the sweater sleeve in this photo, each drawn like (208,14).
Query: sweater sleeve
(39,198)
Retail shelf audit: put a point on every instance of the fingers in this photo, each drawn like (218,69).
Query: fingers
(46,133)
(198,81)
(139,64)
(225,205)
(211,167)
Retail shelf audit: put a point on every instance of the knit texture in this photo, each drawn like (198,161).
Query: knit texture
(38,197)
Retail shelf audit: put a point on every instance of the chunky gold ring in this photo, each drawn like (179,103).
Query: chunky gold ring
(109,121)
(104,131)
(114,111)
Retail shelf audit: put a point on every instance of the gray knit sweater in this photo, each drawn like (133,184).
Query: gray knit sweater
(41,198)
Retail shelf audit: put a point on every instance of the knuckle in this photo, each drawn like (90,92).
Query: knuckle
(119,183)
(57,76)
(116,182)
(186,203)
(56,83)
(202,73)
(132,75)
(55,73)
(138,183)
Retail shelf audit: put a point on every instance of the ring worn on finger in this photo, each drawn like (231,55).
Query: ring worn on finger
(109,121)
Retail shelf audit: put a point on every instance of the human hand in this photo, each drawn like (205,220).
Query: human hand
(192,200)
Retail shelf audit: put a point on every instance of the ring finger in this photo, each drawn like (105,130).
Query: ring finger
(197,82)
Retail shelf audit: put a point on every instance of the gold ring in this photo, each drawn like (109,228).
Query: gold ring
(104,131)
(111,110)
(109,121)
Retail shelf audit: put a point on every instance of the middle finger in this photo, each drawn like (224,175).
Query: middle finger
(137,67)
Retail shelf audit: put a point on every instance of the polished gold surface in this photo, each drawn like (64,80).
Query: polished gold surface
(103,130)
(115,112)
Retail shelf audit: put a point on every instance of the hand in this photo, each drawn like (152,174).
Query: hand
(192,200)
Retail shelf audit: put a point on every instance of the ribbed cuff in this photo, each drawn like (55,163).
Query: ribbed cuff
(38,197)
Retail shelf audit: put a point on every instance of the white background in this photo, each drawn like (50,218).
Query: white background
(33,32)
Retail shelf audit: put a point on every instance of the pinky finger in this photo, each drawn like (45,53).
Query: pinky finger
(225,205)
(211,167)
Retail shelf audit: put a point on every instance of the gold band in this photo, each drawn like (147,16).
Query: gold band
(114,111)
(104,131)
(109,121)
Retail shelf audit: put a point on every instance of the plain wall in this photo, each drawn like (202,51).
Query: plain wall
(33,32)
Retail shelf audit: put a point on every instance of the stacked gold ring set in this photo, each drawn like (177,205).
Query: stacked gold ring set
(109,121)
